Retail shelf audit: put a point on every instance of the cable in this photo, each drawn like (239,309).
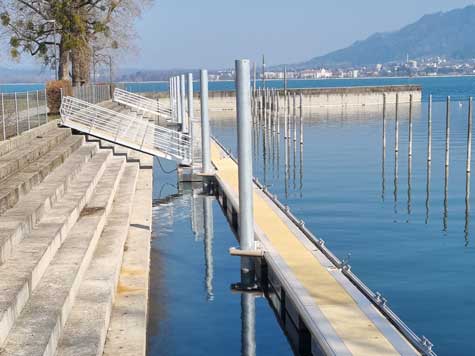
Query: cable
(163,170)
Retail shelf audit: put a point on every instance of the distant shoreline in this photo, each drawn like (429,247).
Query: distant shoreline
(274,80)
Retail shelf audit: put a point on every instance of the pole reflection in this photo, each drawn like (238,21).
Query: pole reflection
(208,245)
(446,199)
(428,190)
(248,322)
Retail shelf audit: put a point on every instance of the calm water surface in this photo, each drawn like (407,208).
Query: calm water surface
(410,237)
(192,308)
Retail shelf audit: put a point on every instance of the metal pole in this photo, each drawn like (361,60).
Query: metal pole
(190,102)
(183,103)
(16,115)
(38,107)
(469,135)
(285,81)
(3,120)
(244,124)
(205,132)
(295,118)
(384,122)
(396,126)
(301,118)
(28,110)
(178,99)
(410,126)
(429,130)
(447,132)
(46,108)
(277,114)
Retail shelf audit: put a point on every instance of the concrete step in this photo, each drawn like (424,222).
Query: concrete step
(117,149)
(20,183)
(128,323)
(26,137)
(39,326)
(38,146)
(86,328)
(21,273)
(20,220)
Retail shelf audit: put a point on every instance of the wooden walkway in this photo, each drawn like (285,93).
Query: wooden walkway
(343,320)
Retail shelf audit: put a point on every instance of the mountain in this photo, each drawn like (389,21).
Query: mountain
(445,34)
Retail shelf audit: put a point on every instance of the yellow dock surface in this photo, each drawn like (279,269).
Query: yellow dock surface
(359,334)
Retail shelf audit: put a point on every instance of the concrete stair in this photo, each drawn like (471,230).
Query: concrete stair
(20,183)
(68,206)
(86,328)
(19,158)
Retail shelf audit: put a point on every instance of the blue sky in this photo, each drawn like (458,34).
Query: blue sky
(212,33)
(190,33)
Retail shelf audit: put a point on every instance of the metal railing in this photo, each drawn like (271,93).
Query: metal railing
(125,130)
(142,103)
(21,112)
(93,93)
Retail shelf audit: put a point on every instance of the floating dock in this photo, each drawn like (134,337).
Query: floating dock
(315,292)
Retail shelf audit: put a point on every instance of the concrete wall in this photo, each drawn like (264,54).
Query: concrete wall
(224,102)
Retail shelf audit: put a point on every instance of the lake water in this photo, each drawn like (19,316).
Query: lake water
(410,237)
(193,310)
(439,87)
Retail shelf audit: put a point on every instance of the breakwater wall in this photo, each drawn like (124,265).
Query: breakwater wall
(315,98)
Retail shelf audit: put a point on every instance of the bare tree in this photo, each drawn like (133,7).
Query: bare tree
(80,25)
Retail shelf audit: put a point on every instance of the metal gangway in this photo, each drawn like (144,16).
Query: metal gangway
(142,103)
(126,130)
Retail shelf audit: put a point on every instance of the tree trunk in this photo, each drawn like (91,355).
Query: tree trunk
(64,62)
(81,57)
(75,68)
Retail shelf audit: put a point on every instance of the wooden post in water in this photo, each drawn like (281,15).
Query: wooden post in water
(396,126)
(410,126)
(429,130)
(447,133)
(469,136)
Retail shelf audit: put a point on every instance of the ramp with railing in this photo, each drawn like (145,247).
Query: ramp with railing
(142,103)
(125,130)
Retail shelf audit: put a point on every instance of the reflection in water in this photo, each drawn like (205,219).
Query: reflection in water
(409,175)
(248,321)
(428,190)
(295,165)
(395,180)
(301,171)
(208,244)
(446,198)
(286,157)
(467,207)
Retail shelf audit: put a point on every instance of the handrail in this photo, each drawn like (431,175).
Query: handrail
(140,102)
(125,130)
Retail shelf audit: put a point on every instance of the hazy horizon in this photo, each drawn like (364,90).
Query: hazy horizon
(195,35)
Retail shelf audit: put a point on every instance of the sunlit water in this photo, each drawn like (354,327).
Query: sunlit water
(411,241)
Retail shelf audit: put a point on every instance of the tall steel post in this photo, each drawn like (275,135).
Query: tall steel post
(183,103)
(244,124)
(190,103)
(205,132)
(190,95)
